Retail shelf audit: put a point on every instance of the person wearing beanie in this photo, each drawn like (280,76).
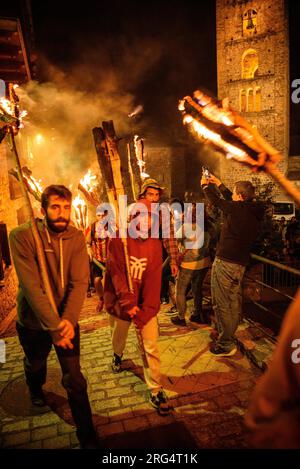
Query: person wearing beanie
(142,305)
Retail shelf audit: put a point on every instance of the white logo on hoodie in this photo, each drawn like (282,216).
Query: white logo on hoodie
(137,267)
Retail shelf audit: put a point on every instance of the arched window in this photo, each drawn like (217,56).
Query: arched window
(250,107)
(249,64)
(257,99)
(243,101)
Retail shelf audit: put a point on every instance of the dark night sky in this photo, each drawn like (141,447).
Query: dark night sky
(159,50)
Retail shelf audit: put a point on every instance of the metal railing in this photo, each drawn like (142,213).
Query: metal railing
(277,278)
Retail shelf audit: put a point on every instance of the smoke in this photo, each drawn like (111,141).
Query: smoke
(57,138)
(59,125)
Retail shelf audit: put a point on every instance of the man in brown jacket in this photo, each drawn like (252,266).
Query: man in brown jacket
(38,325)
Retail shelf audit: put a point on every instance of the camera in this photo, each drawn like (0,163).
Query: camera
(206,172)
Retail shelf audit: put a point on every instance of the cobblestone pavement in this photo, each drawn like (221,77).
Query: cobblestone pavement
(209,394)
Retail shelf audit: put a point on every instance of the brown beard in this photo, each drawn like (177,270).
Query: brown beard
(57,229)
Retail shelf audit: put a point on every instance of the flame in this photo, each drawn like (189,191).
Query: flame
(88,181)
(204,133)
(78,201)
(138,148)
(80,209)
(39,139)
(34,184)
(7,106)
(11,109)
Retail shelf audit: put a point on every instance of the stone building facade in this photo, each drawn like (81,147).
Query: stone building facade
(167,165)
(253,71)
(16,67)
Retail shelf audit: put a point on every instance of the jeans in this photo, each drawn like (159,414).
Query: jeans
(37,345)
(226,293)
(196,278)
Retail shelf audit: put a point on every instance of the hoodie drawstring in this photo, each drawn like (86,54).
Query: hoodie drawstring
(61,259)
(48,235)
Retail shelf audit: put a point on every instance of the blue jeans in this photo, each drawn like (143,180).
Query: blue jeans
(226,293)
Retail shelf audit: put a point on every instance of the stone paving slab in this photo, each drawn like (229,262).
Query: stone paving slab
(209,394)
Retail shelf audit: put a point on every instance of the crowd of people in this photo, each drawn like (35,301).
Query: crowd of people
(131,280)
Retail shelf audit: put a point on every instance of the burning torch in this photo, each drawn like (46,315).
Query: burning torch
(81,216)
(11,115)
(216,123)
(87,186)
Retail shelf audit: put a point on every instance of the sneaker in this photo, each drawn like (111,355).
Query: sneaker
(164,301)
(116,363)
(37,397)
(160,402)
(172,312)
(178,322)
(220,352)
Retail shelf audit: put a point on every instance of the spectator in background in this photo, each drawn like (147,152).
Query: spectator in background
(97,240)
(242,217)
(195,262)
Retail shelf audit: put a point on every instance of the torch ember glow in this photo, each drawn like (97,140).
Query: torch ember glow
(80,209)
(10,112)
(139,152)
(214,122)
(33,186)
(89,181)
(88,185)
(206,134)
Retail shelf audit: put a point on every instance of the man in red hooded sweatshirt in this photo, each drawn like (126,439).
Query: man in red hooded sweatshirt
(142,305)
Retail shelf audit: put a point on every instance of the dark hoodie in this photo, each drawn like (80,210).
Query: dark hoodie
(241,223)
(68,269)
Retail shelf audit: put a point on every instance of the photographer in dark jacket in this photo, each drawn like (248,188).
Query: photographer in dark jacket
(241,222)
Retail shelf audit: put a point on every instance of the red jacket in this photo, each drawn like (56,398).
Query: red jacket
(145,257)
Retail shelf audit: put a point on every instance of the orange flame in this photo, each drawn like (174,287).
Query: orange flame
(80,209)
(7,107)
(139,156)
(88,181)
(203,132)
(34,184)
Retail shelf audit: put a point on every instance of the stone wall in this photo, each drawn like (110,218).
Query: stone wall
(8,293)
(271,45)
(167,165)
(11,211)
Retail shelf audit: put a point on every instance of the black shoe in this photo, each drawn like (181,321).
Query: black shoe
(37,397)
(164,301)
(197,318)
(116,363)
(220,352)
(178,322)
(160,402)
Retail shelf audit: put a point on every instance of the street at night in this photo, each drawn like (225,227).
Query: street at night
(149,231)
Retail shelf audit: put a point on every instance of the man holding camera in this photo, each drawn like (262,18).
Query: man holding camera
(241,221)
